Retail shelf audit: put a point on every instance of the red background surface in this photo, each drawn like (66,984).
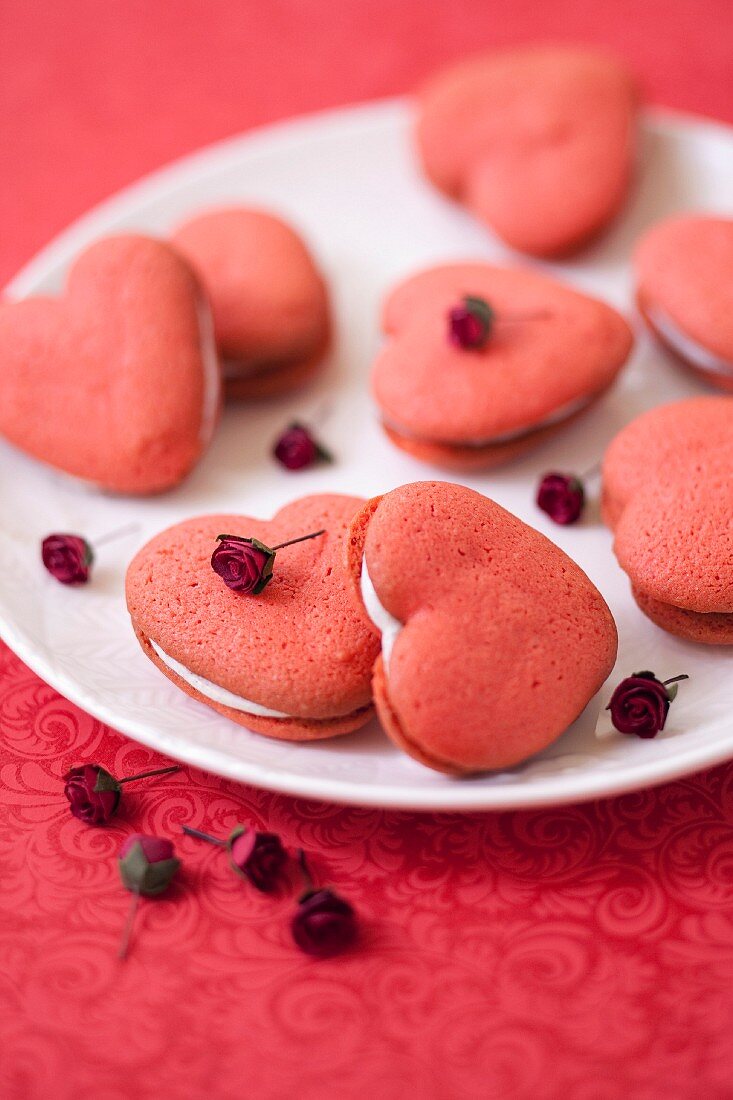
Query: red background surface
(581,952)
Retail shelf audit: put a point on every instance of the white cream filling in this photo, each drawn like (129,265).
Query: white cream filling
(563,413)
(212,373)
(384,621)
(214,692)
(684,346)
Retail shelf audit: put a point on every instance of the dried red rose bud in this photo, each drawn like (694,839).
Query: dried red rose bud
(94,794)
(470,323)
(147,864)
(324,924)
(245,565)
(260,857)
(297,448)
(68,558)
(562,497)
(641,702)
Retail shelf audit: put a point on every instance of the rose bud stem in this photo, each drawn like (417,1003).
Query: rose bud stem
(303,538)
(519,318)
(147,775)
(675,679)
(190,831)
(119,533)
(322,411)
(127,930)
(305,871)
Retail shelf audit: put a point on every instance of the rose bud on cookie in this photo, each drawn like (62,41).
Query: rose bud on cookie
(668,497)
(273,636)
(538,142)
(270,302)
(684,290)
(470,396)
(116,381)
(493,640)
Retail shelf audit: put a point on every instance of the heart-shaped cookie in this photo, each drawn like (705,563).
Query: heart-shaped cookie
(292,661)
(549,352)
(538,142)
(270,302)
(684,290)
(116,381)
(668,496)
(493,640)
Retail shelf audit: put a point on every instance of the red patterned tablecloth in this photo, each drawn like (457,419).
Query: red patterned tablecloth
(583,952)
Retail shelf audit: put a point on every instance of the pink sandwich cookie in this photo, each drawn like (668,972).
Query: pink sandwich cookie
(483,363)
(274,638)
(493,640)
(684,290)
(538,142)
(668,497)
(270,302)
(117,381)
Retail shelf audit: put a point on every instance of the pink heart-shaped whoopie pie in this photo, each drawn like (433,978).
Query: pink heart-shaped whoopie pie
(684,290)
(268,298)
(668,497)
(550,354)
(538,142)
(116,381)
(293,661)
(493,640)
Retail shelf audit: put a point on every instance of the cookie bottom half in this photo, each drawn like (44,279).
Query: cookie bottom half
(708,628)
(274,378)
(281,729)
(720,379)
(467,457)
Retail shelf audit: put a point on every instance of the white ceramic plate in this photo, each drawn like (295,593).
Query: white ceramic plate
(349,181)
